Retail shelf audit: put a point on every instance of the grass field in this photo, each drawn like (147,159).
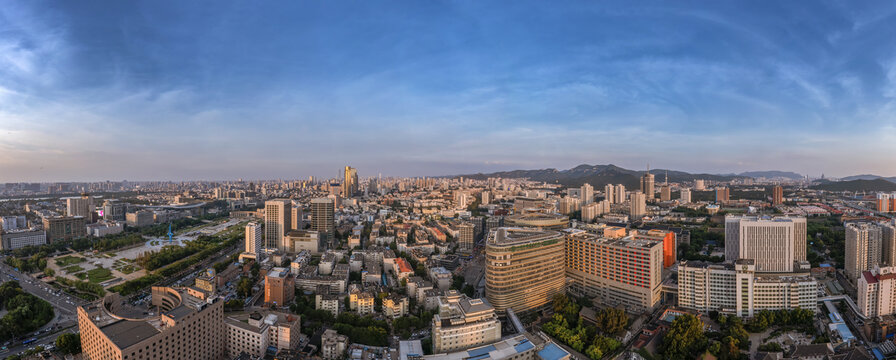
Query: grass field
(73,269)
(99,275)
(68,260)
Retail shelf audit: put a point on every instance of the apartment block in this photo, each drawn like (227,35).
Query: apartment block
(463,323)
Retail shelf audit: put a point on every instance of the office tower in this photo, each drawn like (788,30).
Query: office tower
(619,272)
(63,228)
(638,206)
(465,236)
(463,323)
(253,333)
(322,218)
(773,242)
(350,183)
(876,290)
(863,249)
(79,206)
(460,199)
(735,287)
(665,193)
(279,287)
(777,195)
(699,185)
(685,196)
(254,244)
(179,324)
(586,192)
(524,268)
(277,221)
(485,197)
(722,195)
(647,181)
(888,242)
(114,210)
(883,203)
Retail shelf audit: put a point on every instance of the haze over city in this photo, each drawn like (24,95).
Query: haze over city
(169,90)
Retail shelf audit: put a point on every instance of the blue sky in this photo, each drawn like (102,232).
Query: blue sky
(222,90)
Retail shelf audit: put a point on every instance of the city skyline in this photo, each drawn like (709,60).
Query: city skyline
(189,91)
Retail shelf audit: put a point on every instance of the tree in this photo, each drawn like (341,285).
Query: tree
(611,321)
(684,338)
(69,343)
(244,287)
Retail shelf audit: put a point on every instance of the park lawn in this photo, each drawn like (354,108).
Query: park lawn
(81,275)
(99,275)
(128,269)
(73,269)
(68,260)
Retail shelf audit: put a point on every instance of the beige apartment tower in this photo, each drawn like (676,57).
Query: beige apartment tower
(863,249)
(524,268)
(774,243)
(277,221)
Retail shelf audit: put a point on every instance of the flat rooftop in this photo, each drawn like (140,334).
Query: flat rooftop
(125,333)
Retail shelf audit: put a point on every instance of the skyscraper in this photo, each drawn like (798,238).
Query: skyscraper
(722,195)
(777,195)
(685,196)
(350,183)
(253,238)
(322,210)
(277,221)
(586,194)
(524,268)
(888,242)
(647,184)
(638,206)
(773,242)
(863,249)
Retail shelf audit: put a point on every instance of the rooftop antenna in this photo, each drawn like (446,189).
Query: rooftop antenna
(667,177)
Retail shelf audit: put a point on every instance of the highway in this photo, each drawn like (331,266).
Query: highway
(66,317)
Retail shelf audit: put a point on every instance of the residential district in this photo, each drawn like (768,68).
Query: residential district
(453,268)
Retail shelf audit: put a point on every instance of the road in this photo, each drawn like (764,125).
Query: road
(64,305)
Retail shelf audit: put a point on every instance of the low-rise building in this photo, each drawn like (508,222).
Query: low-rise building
(254,333)
(20,239)
(279,287)
(463,323)
(395,306)
(333,345)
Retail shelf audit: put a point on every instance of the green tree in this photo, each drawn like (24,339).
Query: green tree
(684,339)
(244,287)
(69,343)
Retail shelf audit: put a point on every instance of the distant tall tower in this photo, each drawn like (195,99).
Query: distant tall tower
(277,222)
(777,195)
(647,184)
(322,221)
(586,194)
(350,185)
(638,206)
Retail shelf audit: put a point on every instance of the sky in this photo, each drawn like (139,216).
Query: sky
(186,90)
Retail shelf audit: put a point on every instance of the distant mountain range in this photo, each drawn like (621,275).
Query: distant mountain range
(600,175)
(772,174)
(877,184)
(869,177)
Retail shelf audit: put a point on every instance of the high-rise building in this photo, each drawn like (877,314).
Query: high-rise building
(350,183)
(254,244)
(63,228)
(485,197)
(279,287)
(722,195)
(876,290)
(303,240)
(296,223)
(699,185)
(460,199)
(114,210)
(685,196)
(524,268)
(610,193)
(888,242)
(568,205)
(775,243)
(647,181)
(586,194)
(463,323)
(465,236)
(79,206)
(665,193)
(593,210)
(322,218)
(638,206)
(735,287)
(777,195)
(277,221)
(619,272)
(863,249)
(883,202)
(667,238)
(180,324)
